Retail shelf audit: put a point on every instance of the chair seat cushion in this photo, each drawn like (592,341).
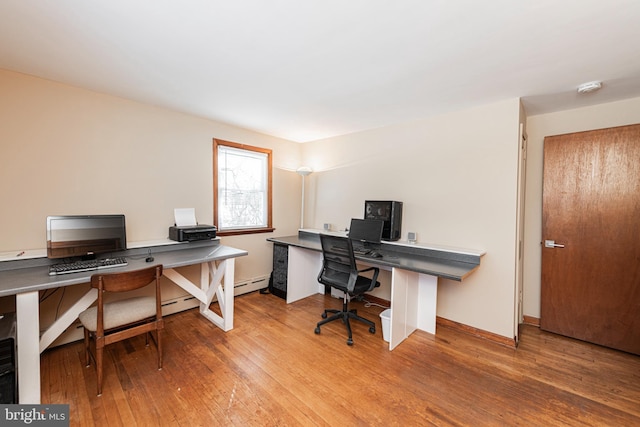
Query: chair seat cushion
(363,284)
(119,313)
(338,281)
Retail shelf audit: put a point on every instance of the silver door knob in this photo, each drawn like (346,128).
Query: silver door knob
(552,244)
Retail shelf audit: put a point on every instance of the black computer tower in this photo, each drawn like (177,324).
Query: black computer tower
(388,211)
(8,378)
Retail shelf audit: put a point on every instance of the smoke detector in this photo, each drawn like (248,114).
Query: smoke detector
(589,87)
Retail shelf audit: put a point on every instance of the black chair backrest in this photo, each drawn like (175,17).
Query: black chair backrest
(339,263)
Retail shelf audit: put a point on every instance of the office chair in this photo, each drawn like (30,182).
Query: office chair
(107,323)
(339,271)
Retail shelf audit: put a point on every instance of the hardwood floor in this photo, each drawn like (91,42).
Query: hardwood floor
(272,370)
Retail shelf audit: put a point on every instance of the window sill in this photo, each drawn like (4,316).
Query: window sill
(245,231)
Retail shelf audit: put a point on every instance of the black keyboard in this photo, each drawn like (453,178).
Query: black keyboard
(89,265)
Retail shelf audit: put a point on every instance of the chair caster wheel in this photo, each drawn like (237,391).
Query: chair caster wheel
(372,330)
(349,341)
(324,315)
(317,330)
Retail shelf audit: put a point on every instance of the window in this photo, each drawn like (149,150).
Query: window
(241,188)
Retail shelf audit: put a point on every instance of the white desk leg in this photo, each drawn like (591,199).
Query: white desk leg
(404,305)
(214,280)
(28,337)
(302,274)
(185,284)
(225,294)
(428,299)
(413,304)
(63,322)
(219,281)
(229,292)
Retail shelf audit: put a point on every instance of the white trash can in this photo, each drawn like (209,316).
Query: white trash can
(385,318)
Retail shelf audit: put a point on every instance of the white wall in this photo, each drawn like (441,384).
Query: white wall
(65,150)
(582,119)
(457,176)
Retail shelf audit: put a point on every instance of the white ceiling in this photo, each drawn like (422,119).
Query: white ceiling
(310,69)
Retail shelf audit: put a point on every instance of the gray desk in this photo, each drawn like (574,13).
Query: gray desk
(414,270)
(450,264)
(26,278)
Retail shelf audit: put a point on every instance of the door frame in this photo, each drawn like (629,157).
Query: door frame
(520,227)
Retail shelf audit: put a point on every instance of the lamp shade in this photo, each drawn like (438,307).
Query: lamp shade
(304,170)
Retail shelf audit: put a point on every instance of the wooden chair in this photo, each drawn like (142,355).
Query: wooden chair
(106,323)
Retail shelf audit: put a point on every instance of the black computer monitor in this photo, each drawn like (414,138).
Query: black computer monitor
(85,235)
(366,230)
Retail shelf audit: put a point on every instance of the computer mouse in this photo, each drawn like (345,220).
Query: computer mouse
(149,259)
(374,254)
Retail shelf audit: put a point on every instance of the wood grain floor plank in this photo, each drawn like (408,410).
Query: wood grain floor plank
(273,370)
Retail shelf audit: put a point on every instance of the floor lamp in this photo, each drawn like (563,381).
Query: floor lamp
(303,171)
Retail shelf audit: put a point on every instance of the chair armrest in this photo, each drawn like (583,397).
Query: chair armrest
(374,279)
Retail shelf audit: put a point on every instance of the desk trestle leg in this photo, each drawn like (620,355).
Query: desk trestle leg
(214,280)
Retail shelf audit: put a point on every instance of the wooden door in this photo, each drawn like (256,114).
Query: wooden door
(591,237)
